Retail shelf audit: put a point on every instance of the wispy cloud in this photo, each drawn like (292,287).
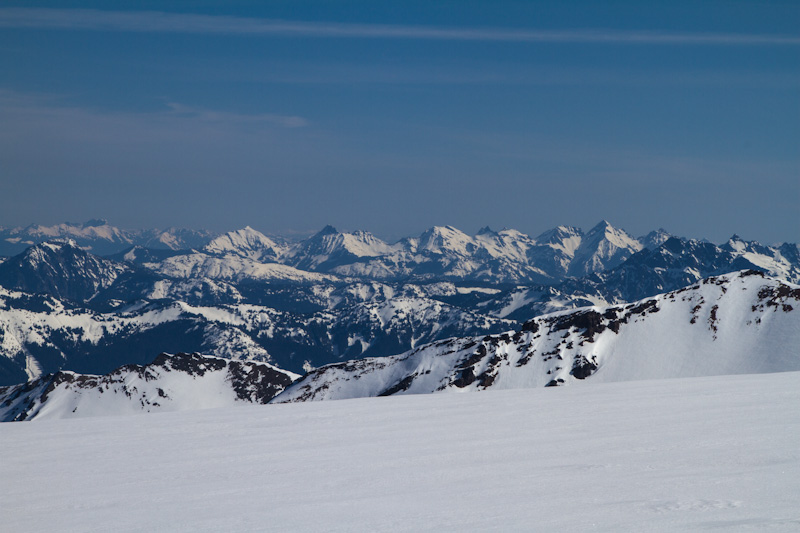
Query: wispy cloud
(206,115)
(153,21)
(490,74)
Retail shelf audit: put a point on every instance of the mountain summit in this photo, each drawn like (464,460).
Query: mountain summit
(62,269)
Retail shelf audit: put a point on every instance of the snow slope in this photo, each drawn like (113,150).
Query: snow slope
(603,247)
(330,248)
(734,324)
(232,267)
(170,383)
(247,243)
(674,455)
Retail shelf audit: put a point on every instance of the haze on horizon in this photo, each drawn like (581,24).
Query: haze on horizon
(392,117)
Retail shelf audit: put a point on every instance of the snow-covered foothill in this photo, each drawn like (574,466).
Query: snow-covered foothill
(738,323)
(170,383)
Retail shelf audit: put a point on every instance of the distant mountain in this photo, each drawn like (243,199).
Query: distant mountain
(247,243)
(232,268)
(444,252)
(138,255)
(441,252)
(172,238)
(170,383)
(333,296)
(603,247)
(674,264)
(40,334)
(734,324)
(100,238)
(555,250)
(62,269)
(329,249)
(654,239)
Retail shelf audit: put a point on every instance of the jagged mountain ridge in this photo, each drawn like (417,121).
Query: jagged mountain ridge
(674,264)
(41,334)
(737,323)
(170,383)
(62,269)
(446,253)
(441,252)
(101,238)
(318,318)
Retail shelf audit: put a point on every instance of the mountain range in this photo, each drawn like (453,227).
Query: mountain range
(101,238)
(737,323)
(333,297)
(740,323)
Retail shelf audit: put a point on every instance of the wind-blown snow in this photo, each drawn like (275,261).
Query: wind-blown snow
(673,455)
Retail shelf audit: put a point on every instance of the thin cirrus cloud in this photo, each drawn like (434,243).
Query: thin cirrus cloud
(205,115)
(18,104)
(153,21)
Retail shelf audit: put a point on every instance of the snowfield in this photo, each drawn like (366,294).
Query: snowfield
(672,455)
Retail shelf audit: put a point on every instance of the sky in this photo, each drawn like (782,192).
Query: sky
(396,116)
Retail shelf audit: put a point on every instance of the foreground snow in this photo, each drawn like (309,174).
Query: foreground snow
(671,455)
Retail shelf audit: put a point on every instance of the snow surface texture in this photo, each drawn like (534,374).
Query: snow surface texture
(170,383)
(734,324)
(673,455)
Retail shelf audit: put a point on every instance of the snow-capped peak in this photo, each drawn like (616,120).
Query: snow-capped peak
(61,268)
(655,238)
(559,234)
(247,243)
(601,248)
(442,239)
(330,248)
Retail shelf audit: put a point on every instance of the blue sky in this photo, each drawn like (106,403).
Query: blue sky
(395,116)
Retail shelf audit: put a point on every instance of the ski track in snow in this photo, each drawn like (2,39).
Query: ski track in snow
(673,455)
